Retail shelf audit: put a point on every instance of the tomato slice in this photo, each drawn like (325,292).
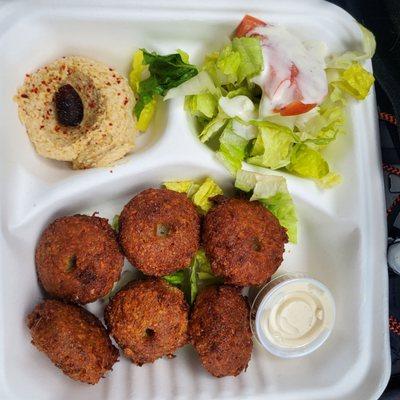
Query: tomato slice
(293,73)
(295,108)
(247,24)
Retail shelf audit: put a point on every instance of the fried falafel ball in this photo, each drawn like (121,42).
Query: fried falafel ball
(148,319)
(159,231)
(78,258)
(219,329)
(244,241)
(74,340)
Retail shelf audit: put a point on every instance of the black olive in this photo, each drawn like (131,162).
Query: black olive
(69,106)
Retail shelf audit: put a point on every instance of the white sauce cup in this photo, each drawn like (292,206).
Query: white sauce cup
(292,315)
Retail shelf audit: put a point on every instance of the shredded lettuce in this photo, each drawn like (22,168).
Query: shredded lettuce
(207,190)
(228,62)
(272,192)
(202,105)
(193,278)
(345,60)
(345,71)
(181,186)
(307,163)
(200,274)
(176,279)
(199,193)
(281,205)
(251,62)
(226,104)
(356,81)
(324,126)
(115,223)
(213,127)
(245,131)
(235,63)
(272,148)
(201,83)
(232,150)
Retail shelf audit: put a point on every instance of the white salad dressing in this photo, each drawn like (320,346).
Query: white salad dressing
(238,106)
(297,314)
(284,53)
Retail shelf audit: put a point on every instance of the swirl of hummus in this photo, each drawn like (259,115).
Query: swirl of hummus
(107,130)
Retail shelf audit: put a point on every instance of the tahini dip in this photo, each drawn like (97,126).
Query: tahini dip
(294,315)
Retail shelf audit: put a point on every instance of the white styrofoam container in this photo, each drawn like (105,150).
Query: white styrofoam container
(342,231)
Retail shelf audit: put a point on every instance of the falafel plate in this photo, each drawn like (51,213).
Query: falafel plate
(188,211)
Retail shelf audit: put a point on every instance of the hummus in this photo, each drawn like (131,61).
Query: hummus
(107,130)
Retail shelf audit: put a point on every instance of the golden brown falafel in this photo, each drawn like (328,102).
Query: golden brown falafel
(159,231)
(78,258)
(73,338)
(219,329)
(244,242)
(148,319)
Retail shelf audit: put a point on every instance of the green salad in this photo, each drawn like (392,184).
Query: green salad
(266,98)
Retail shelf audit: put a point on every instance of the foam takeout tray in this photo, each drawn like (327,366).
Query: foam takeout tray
(341,231)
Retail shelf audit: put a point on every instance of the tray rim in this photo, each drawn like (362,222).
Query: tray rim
(8,8)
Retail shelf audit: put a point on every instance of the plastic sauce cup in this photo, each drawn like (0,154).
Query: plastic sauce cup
(292,315)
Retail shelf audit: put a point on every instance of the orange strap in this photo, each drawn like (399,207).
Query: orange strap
(388,117)
(394,325)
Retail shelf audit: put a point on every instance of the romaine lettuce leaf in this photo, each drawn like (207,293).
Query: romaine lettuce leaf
(210,66)
(213,127)
(207,190)
(346,73)
(307,163)
(240,60)
(199,193)
(228,62)
(200,274)
(193,278)
(345,60)
(324,126)
(273,147)
(356,81)
(201,83)
(188,187)
(232,149)
(272,192)
(115,223)
(202,105)
(250,52)
(176,279)
(166,72)
(281,205)
(246,131)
